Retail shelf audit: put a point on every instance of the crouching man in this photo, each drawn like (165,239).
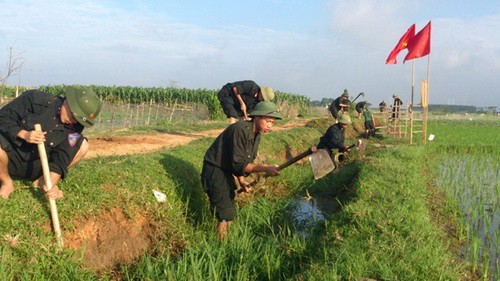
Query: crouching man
(335,135)
(62,120)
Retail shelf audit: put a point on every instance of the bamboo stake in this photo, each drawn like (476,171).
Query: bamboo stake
(173,110)
(48,181)
(149,112)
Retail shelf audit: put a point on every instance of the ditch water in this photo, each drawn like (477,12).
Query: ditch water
(474,182)
(307,213)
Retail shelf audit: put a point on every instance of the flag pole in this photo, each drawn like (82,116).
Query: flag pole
(412,81)
(411,101)
(425,109)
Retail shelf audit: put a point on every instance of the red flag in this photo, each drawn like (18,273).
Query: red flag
(402,44)
(420,44)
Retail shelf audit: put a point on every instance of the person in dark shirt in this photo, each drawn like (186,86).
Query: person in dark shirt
(231,157)
(62,120)
(382,105)
(360,106)
(396,107)
(339,105)
(335,135)
(239,98)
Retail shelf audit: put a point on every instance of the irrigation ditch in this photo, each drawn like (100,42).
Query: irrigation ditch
(112,238)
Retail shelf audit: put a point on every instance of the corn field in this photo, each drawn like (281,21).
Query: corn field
(126,106)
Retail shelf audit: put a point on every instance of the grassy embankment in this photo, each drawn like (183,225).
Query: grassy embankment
(381,227)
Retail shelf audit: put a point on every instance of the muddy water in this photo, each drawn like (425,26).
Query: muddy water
(307,213)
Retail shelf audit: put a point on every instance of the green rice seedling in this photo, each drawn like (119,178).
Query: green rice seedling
(469,172)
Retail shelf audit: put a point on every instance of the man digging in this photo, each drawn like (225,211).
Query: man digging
(231,156)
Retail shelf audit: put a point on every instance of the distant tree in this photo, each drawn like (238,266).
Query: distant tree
(446,108)
(490,110)
(13,67)
(324,102)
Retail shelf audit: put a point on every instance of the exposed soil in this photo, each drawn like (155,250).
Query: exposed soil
(122,145)
(110,239)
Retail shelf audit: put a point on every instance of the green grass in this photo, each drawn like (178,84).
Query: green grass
(380,228)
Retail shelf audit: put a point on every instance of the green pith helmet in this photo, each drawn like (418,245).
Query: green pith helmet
(344,119)
(345,94)
(84,104)
(266,108)
(267,93)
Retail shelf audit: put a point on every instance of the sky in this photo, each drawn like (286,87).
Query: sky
(315,48)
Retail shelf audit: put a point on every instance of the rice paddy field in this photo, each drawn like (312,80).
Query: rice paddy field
(468,169)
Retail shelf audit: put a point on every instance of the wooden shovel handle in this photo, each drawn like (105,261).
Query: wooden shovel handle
(48,181)
(310,151)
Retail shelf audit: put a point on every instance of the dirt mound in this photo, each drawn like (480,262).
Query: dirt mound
(110,239)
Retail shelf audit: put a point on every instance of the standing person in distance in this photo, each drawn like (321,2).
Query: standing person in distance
(369,125)
(381,106)
(232,156)
(396,106)
(340,105)
(239,98)
(62,120)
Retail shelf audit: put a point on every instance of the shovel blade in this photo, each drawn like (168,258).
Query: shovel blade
(321,163)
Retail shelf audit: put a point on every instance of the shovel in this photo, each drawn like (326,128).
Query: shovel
(322,164)
(359,95)
(312,150)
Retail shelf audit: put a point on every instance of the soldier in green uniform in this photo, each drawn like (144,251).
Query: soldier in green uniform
(239,98)
(335,135)
(369,122)
(62,120)
(340,105)
(231,157)
(360,106)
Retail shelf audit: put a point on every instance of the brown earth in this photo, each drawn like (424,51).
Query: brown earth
(110,239)
(122,145)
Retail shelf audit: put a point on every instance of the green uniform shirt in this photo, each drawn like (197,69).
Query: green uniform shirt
(367,115)
(234,148)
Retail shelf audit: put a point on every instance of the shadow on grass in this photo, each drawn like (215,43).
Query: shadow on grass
(187,185)
(39,195)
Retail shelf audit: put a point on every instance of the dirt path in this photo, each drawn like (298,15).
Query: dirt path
(122,145)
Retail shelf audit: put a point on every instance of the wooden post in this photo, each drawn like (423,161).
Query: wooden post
(173,110)
(425,102)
